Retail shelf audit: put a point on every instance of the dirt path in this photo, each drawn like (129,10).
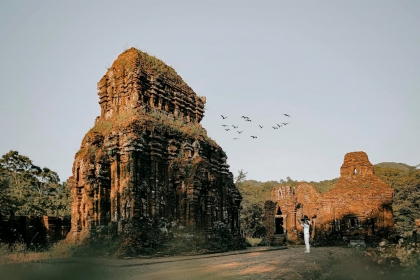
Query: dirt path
(252,263)
(291,263)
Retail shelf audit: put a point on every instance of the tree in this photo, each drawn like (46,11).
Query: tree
(406,185)
(6,202)
(26,189)
(252,219)
(241,177)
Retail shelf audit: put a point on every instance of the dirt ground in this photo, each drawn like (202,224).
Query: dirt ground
(253,263)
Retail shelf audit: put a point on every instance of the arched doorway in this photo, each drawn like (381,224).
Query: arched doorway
(279,222)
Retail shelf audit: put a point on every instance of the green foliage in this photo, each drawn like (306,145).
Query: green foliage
(394,165)
(405,181)
(159,238)
(103,127)
(26,189)
(155,66)
(254,194)
(252,220)
(324,186)
(162,121)
(177,125)
(7,203)
(240,178)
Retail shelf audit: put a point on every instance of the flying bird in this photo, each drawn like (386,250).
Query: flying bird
(239,132)
(254,136)
(235,138)
(285,123)
(244,117)
(227,129)
(234,126)
(224,117)
(224,125)
(275,127)
(260,126)
(286,115)
(248,120)
(278,125)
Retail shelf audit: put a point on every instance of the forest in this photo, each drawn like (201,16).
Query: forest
(29,190)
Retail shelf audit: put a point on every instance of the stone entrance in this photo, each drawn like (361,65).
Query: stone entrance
(279,225)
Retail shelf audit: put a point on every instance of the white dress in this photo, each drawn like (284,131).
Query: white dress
(306,227)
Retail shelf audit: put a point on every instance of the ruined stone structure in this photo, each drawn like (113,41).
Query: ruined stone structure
(32,230)
(358,204)
(148,157)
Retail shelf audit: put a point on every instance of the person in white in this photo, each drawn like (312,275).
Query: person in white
(306,226)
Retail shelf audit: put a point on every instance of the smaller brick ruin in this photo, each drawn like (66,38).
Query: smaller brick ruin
(359,204)
(32,230)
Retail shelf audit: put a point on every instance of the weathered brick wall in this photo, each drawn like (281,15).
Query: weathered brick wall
(33,230)
(359,203)
(137,79)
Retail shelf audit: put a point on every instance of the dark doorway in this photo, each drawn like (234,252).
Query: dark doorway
(279,226)
(373,226)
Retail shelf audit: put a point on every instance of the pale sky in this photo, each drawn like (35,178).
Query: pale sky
(347,72)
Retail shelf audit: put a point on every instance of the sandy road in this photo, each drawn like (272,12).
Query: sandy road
(252,263)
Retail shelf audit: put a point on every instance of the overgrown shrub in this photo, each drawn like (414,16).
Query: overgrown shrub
(160,238)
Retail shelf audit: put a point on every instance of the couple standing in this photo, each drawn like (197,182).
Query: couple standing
(306,226)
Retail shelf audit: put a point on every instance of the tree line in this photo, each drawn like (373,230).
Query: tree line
(29,190)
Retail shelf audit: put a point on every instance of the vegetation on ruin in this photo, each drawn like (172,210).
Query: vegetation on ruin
(161,121)
(177,125)
(151,65)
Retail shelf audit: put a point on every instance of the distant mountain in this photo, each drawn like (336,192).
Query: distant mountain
(394,165)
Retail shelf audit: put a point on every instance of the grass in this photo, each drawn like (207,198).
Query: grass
(162,121)
(18,253)
(253,241)
(133,59)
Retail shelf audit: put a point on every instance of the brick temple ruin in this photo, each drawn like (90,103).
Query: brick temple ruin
(33,230)
(148,157)
(359,204)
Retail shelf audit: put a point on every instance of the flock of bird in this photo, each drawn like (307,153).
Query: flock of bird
(247,119)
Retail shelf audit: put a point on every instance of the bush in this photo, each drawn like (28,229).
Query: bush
(161,238)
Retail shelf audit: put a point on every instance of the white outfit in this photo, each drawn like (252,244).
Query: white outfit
(306,227)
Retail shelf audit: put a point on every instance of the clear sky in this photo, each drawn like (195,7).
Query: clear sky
(347,72)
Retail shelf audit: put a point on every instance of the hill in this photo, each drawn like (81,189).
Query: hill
(394,165)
